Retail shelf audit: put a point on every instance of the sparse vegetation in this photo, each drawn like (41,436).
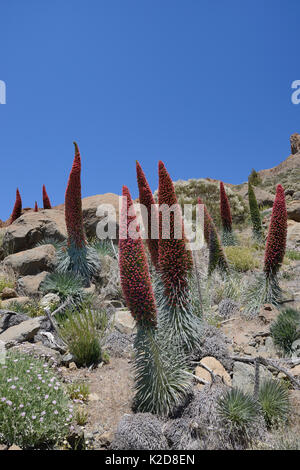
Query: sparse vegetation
(285,330)
(274,401)
(83,331)
(34,409)
(242,258)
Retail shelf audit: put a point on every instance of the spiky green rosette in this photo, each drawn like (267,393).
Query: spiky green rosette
(78,257)
(176,316)
(217,258)
(161,381)
(255,214)
(228,237)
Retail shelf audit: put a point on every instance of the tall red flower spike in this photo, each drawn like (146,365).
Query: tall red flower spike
(225,209)
(208,222)
(36,209)
(17,210)
(146,198)
(134,271)
(175,261)
(276,241)
(73,204)
(46,200)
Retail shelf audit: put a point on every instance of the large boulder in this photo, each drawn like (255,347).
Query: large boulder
(34,261)
(9,318)
(293,234)
(293,211)
(91,215)
(24,331)
(29,285)
(33,227)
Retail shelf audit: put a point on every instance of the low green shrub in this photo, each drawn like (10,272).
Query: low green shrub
(237,408)
(285,330)
(83,331)
(273,398)
(31,308)
(34,409)
(78,391)
(6,283)
(65,285)
(242,258)
(293,255)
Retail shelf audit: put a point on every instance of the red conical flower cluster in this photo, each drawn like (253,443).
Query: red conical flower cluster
(175,261)
(73,205)
(134,271)
(146,198)
(46,200)
(17,210)
(36,209)
(225,209)
(276,241)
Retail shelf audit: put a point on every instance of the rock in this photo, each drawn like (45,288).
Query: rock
(267,313)
(293,211)
(9,318)
(294,396)
(295,143)
(92,216)
(67,358)
(141,431)
(119,345)
(293,233)
(243,376)
(90,290)
(22,332)
(3,447)
(14,447)
(49,299)
(106,438)
(124,322)
(33,261)
(109,278)
(9,302)
(29,285)
(250,351)
(295,371)
(40,351)
(270,347)
(296,348)
(8,293)
(216,368)
(33,227)
(296,195)
(94,397)
(72,366)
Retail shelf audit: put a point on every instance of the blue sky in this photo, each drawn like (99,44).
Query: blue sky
(204,85)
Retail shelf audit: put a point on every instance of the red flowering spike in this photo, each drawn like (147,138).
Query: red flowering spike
(175,261)
(225,209)
(276,241)
(73,205)
(36,209)
(46,200)
(17,210)
(146,198)
(134,271)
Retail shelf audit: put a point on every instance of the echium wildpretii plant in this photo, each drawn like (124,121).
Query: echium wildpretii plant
(36,208)
(161,381)
(228,237)
(79,258)
(150,218)
(266,288)
(217,258)
(255,214)
(176,314)
(17,210)
(46,200)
